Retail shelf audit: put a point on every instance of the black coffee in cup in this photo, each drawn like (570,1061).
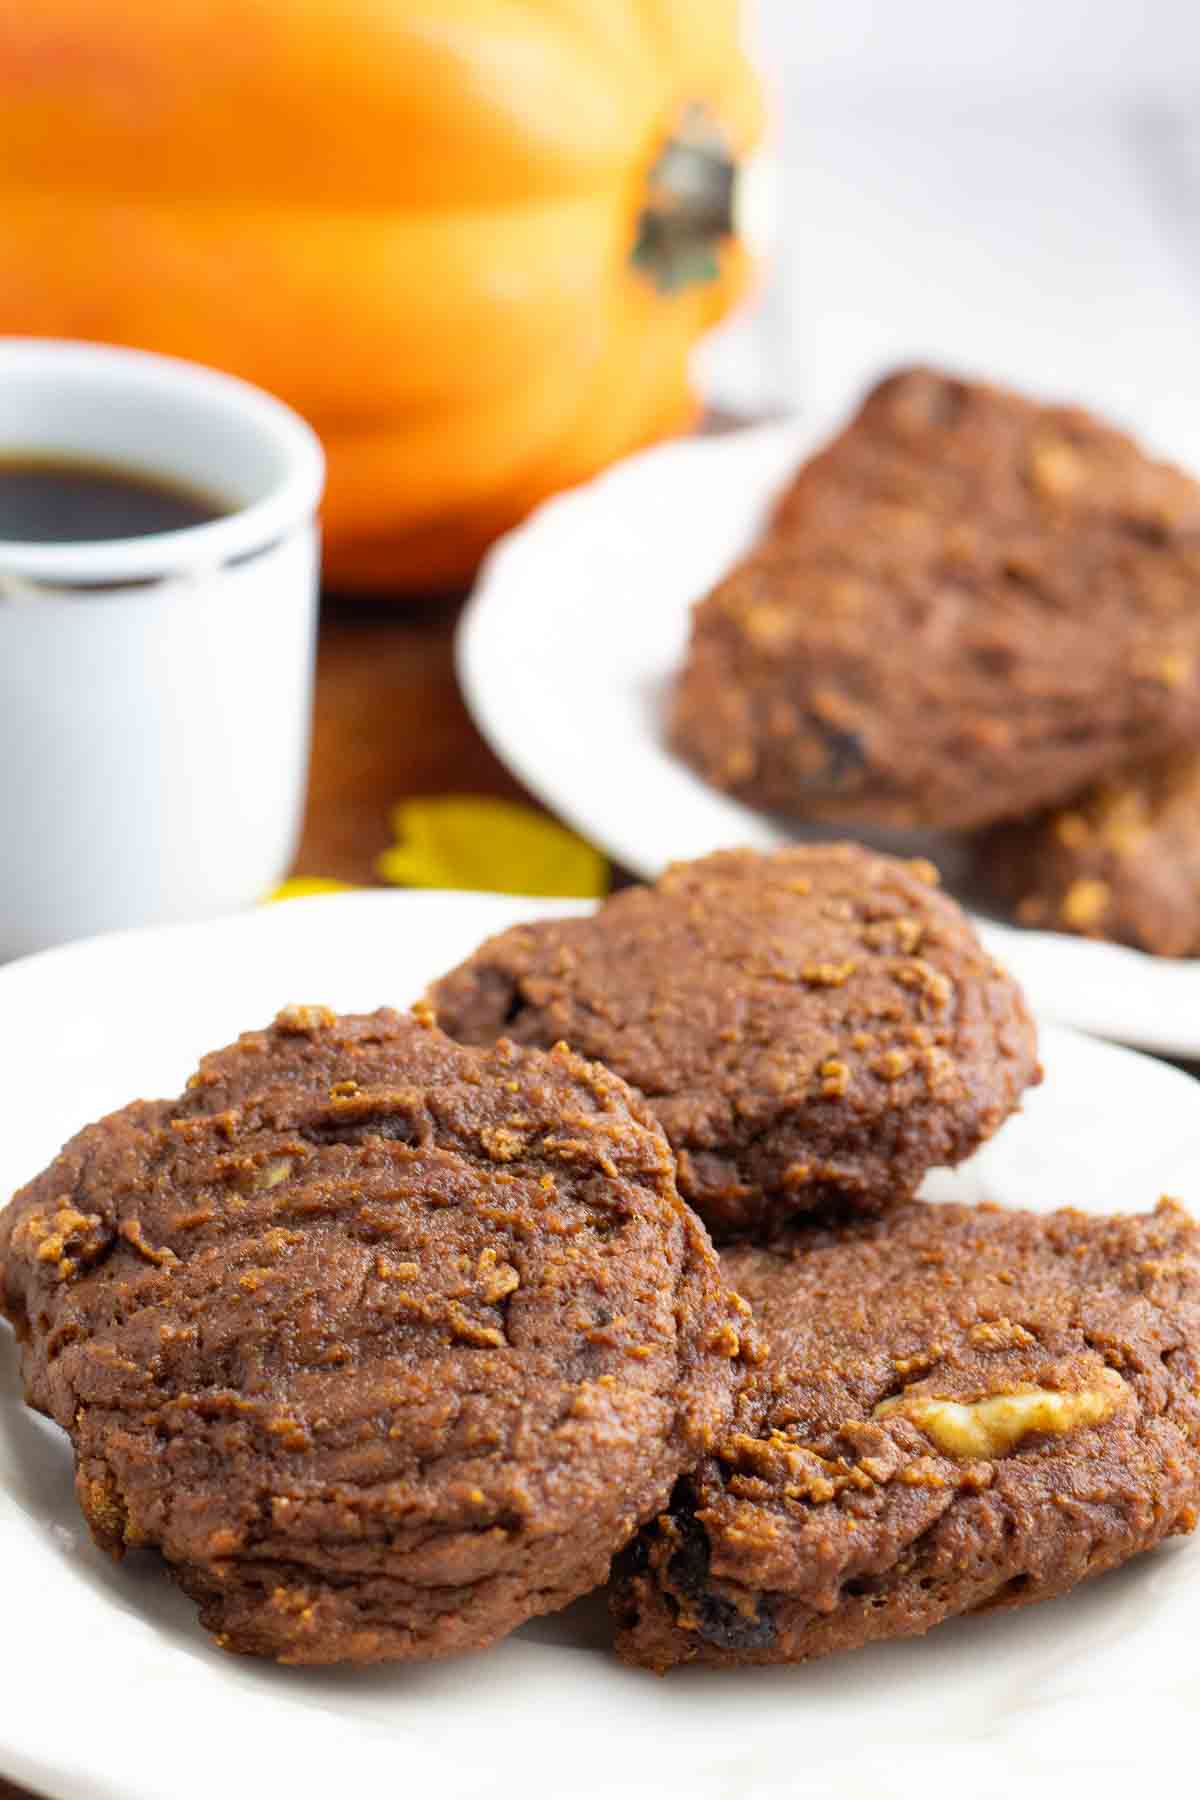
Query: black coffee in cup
(48,500)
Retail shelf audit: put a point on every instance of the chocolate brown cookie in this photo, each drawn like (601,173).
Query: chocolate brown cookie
(821,1023)
(386,1344)
(1122,861)
(967,607)
(963,1409)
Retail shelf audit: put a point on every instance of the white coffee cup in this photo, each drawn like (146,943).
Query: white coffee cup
(155,692)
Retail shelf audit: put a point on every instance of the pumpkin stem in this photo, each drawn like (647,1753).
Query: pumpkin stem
(689,205)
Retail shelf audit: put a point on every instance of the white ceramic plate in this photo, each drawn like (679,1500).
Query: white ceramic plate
(565,654)
(110,1691)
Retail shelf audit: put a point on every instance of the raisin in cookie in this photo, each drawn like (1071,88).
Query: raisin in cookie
(962,1409)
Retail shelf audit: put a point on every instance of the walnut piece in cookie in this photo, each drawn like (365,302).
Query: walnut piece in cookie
(961,1409)
(386,1344)
(817,1024)
(968,606)
(1120,861)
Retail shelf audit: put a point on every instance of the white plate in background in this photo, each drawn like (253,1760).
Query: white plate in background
(110,1690)
(567,649)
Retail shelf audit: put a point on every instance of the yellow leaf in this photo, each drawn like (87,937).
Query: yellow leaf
(298,886)
(461,841)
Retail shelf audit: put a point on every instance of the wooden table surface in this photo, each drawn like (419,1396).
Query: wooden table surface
(388,723)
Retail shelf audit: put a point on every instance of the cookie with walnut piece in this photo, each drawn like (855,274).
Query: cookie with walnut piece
(384,1343)
(962,1409)
(821,1023)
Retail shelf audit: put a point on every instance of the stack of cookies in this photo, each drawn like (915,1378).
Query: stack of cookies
(975,614)
(392,1332)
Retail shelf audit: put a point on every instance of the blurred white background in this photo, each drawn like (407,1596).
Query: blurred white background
(1011,189)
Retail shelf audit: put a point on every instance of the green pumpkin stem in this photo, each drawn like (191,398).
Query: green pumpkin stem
(689,205)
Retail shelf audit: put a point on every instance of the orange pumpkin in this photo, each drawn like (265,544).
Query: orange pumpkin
(473,241)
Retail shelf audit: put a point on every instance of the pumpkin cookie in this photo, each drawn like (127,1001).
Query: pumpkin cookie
(386,1344)
(1122,861)
(968,607)
(963,1409)
(820,1023)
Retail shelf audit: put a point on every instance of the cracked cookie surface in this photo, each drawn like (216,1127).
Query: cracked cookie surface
(967,607)
(384,1343)
(962,1409)
(817,1023)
